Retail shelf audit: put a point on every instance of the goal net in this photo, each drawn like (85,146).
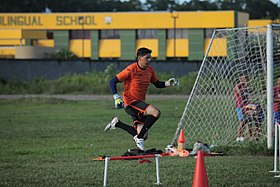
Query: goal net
(210,113)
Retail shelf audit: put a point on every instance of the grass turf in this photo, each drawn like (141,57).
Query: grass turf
(51,142)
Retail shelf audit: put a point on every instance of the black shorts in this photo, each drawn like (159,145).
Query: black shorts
(136,111)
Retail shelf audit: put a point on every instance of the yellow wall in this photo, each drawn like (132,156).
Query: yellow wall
(19,34)
(218,48)
(110,20)
(76,46)
(6,42)
(110,48)
(19,25)
(149,43)
(182,48)
(11,33)
(260,22)
(7,52)
(45,43)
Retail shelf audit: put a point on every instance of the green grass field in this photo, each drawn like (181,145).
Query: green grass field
(51,142)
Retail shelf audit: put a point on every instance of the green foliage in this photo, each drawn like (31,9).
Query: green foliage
(89,83)
(109,72)
(51,142)
(13,87)
(62,54)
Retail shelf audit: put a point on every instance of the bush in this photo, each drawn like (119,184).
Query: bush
(89,83)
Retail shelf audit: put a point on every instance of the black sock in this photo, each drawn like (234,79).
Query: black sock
(147,125)
(131,130)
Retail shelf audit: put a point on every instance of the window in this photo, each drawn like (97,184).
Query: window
(49,35)
(146,33)
(79,34)
(109,34)
(180,33)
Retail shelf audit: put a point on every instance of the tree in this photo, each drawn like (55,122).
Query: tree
(263,9)
(154,5)
(257,9)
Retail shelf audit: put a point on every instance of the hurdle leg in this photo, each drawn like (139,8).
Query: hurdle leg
(106,171)
(157,169)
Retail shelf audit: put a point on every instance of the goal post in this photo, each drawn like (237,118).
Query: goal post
(210,113)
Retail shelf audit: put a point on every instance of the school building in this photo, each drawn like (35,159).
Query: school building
(116,35)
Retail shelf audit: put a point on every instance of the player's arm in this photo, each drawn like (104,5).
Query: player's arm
(159,84)
(113,86)
(170,82)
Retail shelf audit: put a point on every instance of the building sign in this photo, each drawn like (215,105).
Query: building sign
(49,21)
(117,20)
(20,21)
(74,20)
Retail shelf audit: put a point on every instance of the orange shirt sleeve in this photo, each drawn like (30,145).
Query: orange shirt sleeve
(124,74)
(154,76)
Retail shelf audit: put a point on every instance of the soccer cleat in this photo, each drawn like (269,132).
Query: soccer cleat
(139,142)
(112,124)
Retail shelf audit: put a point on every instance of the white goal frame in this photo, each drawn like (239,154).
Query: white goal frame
(269,85)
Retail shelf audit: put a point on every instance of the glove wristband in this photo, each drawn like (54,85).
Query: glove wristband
(116,96)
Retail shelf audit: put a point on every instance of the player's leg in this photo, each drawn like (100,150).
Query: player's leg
(240,128)
(139,128)
(249,120)
(146,115)
(116,123)
(153,115)
(257,130)
(249,129)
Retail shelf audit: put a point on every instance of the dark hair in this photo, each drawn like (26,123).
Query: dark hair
(143,51)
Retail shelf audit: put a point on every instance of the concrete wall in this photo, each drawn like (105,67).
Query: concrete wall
(33,52)
(29,69)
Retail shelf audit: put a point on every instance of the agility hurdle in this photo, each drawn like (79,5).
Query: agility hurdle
(156,156)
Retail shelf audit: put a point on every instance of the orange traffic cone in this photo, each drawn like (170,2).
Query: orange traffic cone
(200,177)
(181,141)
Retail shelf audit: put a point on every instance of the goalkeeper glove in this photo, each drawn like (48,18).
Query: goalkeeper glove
(172,82)
(118,101)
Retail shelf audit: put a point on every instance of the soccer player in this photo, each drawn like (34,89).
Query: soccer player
(276,103)
(137,77)
(241,99)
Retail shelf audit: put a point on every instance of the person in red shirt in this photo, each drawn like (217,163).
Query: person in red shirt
(241,99)
(276,103)
(137,77)
(253,116)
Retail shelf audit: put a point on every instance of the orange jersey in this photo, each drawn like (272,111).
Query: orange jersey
(136,82)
